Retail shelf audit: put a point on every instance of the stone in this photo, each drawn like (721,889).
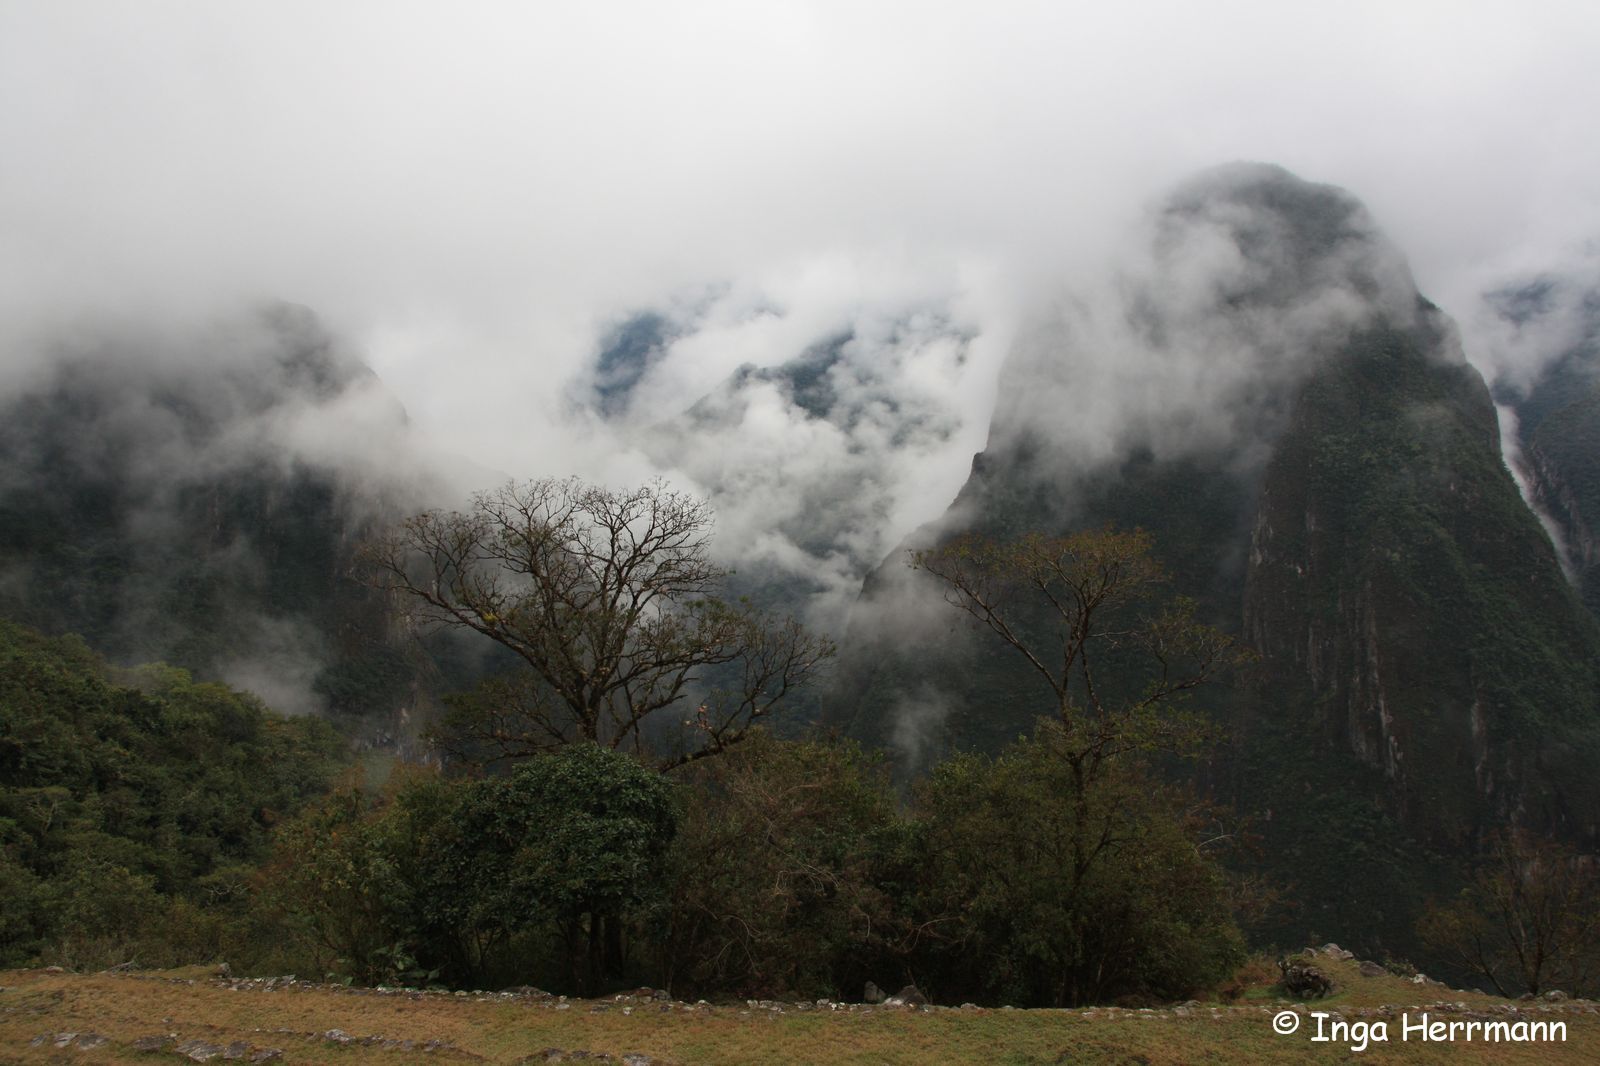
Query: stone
(909,996)
(267,1054)
(198,1050)
(1304,981)
(872,994)
(1372,969)
(151,1043)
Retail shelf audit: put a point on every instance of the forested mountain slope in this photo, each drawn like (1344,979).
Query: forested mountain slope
(1266,393)
(197,496)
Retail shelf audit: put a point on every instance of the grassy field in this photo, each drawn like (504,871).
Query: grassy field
(184,1015)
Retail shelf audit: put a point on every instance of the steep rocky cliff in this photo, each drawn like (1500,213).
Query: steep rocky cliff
(1550,333)
(1395,577)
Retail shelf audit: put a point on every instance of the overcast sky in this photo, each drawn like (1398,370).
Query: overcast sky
(470,192)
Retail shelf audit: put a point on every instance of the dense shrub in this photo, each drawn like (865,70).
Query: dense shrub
(782,873)
(536,875)
(1038,894)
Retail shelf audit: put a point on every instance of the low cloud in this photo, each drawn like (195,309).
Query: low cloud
(475,202)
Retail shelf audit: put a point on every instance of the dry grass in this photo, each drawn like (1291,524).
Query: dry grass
(196,1005)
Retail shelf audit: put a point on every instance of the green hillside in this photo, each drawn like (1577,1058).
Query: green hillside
(134,805)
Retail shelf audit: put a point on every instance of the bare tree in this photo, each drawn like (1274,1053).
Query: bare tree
(1070,606)
(1530,919)
(611,600)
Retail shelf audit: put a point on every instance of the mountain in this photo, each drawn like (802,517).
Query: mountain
(809,450)
(1263,390)
(1552,322)
(196,496)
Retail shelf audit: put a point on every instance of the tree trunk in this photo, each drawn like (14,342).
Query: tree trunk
(596,956)
(615,962)
(569,932)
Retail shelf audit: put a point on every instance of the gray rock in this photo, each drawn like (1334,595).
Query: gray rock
(198,1050)
(267,1054)
(1555,996)
(872,994)
(1302,981)
(151,1043)
(1372,969)
(909,996)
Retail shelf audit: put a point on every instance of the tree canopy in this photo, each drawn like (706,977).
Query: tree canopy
(612,602)
(1089,614)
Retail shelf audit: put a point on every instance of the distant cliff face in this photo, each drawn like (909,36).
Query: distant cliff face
(197,498)
(1265,391)
(1398,581)
(811,448)
(1552,324)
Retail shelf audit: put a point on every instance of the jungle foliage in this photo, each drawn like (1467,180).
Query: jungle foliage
(134,804)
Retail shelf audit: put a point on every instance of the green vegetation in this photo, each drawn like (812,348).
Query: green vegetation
(782,868)
(1036,893)
(790,872)
(134,804)
(478,881)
